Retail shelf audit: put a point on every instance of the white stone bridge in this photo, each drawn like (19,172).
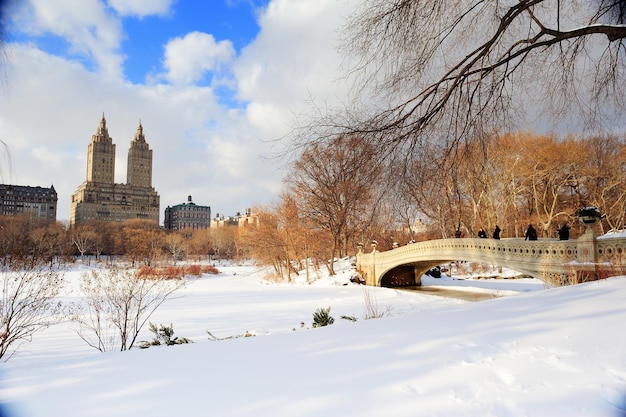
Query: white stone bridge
(556,262)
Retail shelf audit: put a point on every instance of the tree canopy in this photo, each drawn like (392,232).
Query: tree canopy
(432,75)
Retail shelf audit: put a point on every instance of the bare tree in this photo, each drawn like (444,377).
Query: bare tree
(430,75)
(552,167)
(117,305)
(223,241)
(176,245)
(84,237)
(28,305)
(336,186)
(141,240)
(199,243)
(522,178)
(267,242)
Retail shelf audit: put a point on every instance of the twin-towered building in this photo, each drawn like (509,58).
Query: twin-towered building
(100,198)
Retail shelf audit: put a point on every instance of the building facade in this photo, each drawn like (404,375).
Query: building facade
(38,201)
(187,216)
(100,198)
(240,220)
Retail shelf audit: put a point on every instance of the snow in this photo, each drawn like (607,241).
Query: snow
(533,351)
(613,234)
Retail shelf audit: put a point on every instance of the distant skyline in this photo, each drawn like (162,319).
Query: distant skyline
(214,84)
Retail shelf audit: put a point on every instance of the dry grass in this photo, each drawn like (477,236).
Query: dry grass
(176,272)
(372,309)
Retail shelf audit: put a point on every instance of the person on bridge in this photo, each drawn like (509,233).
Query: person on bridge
(563,232)
(531,233)
(482,234)
(496,232)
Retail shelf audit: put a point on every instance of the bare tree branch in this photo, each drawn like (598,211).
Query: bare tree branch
(28,304)
(431,75)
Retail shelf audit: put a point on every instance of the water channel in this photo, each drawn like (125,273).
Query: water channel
(451,293)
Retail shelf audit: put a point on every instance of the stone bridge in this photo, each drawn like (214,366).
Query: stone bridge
(556,262)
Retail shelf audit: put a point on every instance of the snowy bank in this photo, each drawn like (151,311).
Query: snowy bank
(550,352)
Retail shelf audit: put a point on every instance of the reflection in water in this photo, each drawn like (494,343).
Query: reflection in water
(451,293)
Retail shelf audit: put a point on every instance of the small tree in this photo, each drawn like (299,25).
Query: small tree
(267,244)
(163,335)
(176,245)
(84,237)
(118,303)
(322,317)
(332,184)
(28,304)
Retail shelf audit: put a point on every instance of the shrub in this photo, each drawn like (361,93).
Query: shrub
(144,271)
(163,336)
(322,317)
(171,272)
(194,270)
(176,272)
(208,269)
(116,304)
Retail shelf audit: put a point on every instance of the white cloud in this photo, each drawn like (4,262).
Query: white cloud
(141,8)
(187,59)
(292,62)
(53,104)
(89,29)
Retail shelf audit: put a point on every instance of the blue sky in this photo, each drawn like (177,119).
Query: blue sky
(214,83)
(144,36)
(235,21)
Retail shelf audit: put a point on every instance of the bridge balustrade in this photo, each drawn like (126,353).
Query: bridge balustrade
(556,262)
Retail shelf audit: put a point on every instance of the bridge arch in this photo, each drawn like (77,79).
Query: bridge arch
(407,274)
(496,253)
(553,261)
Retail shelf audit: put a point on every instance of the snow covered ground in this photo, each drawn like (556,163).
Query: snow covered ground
(533,351)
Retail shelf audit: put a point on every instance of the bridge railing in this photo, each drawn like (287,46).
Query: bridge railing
(555,261)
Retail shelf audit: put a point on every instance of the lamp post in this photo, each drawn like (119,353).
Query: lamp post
(374,277)
(589,216)
(586,245)
(359,255)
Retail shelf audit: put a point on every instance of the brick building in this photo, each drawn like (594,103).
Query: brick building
(38,201)
(187,215)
